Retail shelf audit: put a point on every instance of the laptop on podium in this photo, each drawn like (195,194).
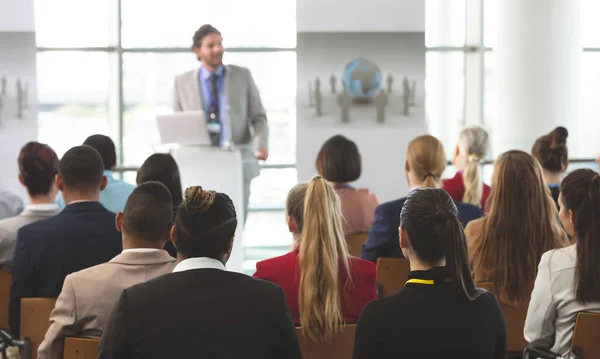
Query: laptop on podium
(183,128)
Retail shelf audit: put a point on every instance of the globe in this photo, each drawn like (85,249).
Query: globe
(362,78)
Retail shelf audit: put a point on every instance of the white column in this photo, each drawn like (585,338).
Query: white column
(537,56)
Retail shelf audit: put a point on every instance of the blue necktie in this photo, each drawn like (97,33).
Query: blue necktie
(213,120)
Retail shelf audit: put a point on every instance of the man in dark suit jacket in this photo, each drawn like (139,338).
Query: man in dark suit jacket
(82,235)
(201,310)
(383,240)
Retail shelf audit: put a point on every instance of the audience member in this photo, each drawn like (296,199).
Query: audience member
(323,285)
(551,152)
(425,163)
(38,164)
(568,279)
(161,167)
(467,185)
(88,296)
(201,310)
(81,236)
(10,204)
(114,196)
(339,162)
(520,225)
(439,313)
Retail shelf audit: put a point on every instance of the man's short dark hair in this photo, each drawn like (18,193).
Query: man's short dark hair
(105,147)
(339,160)
(205,223)
(82,168)
(148,213)
(202,32)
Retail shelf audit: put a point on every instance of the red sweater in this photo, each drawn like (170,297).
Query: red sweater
(456,189)
(283,271)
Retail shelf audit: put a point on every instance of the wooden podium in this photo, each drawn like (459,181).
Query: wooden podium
(220,170)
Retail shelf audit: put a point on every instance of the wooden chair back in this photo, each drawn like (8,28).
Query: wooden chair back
(5,279)
(514,317)
(341,347)
(355,243)
(392,274)
(586,336)
(35,320)
(81,348)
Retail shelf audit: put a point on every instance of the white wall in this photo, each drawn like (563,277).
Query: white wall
(16,15)
(360,15)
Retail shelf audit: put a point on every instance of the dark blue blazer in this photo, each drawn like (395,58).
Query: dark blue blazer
(382,240)
(81,236)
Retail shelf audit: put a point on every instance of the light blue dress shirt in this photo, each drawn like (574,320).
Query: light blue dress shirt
(204,81)
(113,197)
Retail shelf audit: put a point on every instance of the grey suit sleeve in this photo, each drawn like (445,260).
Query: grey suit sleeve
(115,342)
(257,114)
(63,323)
(176,101)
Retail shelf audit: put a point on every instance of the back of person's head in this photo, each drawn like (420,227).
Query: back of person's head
(105,147)
(161,167)
(81,168)
(426,158)
(339,160)
(148,213)
(429,219)
(580,212)
(322,248)
(38,165)
(551,150)
(294,206)
(205,224)
(473,144)
(521,224)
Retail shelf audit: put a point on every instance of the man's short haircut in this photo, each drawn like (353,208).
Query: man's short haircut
(105,147)
(82,168)
(202,32)
(148,213)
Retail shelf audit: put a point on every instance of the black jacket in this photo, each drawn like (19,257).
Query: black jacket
(201,313)
(431,321)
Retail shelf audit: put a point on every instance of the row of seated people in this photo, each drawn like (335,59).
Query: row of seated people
(511,159)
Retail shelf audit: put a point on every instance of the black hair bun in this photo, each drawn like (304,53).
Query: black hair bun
(559,137)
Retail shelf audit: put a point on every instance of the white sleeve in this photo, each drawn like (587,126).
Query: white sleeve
(539,326)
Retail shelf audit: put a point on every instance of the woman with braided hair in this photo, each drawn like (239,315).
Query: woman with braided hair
(201,310)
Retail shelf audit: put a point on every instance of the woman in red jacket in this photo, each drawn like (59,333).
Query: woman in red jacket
(467,185)
(323,285)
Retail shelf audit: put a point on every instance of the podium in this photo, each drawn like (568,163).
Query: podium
(219,170)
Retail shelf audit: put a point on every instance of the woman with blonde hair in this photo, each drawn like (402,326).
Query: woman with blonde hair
(324,286)
(467,185)
(425,163)
(520,225)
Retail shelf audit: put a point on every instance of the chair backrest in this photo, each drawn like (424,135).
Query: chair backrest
(35,320)
(341,347)
(81,348)
(392,273)
(586,335)
(5,279)
(355,243)
(514,317)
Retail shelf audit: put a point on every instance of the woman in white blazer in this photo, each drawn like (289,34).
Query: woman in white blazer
(568,279)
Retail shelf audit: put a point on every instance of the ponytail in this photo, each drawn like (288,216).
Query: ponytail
(322,247)
(472,181)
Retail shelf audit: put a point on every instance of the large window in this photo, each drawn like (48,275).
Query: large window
(460,39)
(96,76)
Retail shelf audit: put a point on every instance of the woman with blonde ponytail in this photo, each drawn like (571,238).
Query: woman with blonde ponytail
(324,286)
(425,163)
(467,185)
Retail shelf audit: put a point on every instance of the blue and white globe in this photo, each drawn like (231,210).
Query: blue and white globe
(362,78)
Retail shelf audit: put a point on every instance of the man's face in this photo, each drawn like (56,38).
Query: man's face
(211,50)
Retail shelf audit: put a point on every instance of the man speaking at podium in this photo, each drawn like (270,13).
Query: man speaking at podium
(230,100)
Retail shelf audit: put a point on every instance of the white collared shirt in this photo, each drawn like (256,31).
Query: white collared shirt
(42,207)
(81,201)
(198,263)
(140,250)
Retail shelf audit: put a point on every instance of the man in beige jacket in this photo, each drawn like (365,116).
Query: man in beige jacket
(88,296)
